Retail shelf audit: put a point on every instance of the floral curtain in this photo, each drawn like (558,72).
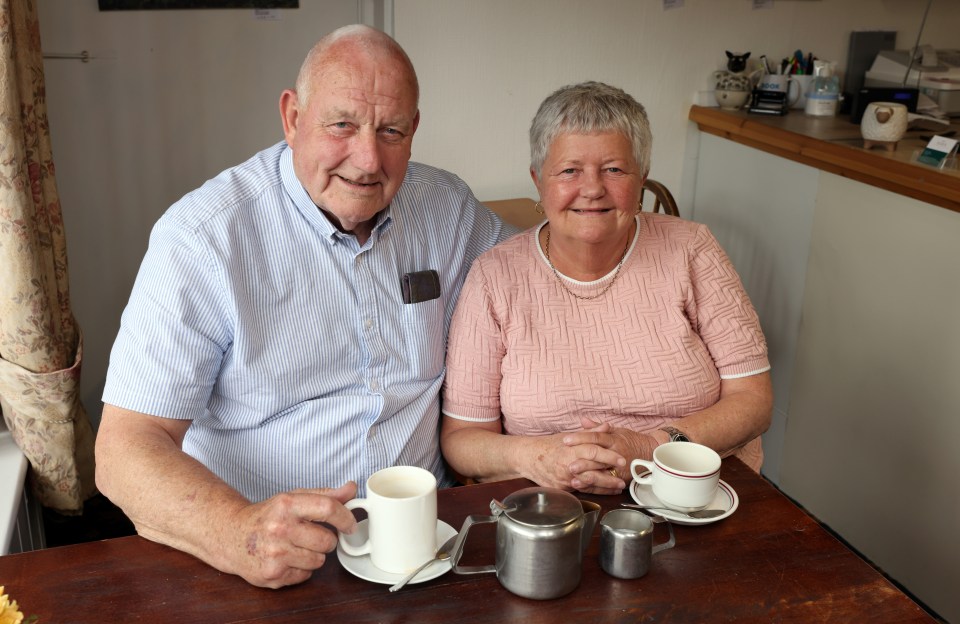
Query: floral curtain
(40,343)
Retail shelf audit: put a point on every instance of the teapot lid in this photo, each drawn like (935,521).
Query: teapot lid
(543,507)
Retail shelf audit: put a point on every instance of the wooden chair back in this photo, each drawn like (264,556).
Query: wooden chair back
(662,198)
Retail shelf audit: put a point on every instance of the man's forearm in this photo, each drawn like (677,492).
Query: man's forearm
(480,454)
(170,497)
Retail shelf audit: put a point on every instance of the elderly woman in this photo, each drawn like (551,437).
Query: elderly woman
(605,331)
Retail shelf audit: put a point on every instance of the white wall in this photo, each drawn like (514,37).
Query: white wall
(170,99)
(875,390)
(485,66)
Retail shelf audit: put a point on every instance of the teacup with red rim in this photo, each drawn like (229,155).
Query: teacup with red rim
(683,475)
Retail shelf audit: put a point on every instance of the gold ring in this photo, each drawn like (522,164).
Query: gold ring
(613,471)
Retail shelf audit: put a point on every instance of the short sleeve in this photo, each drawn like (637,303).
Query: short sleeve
(475,350)
(723,315)
(173,334)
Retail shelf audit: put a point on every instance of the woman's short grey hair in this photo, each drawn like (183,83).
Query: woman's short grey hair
(589,108)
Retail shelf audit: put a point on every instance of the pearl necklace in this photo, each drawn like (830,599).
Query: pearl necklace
(616,274)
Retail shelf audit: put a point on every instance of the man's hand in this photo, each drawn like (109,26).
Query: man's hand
(281,541)
(175,500)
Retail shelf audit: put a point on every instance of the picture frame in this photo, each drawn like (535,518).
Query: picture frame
(142,5)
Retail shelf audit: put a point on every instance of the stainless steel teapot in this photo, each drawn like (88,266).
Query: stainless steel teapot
(542,534)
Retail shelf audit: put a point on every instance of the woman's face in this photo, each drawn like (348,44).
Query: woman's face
(589,186)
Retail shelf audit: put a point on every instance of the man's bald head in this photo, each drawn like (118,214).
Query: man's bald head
(344,46)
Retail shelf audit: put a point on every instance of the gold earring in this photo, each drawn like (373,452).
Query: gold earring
(639,206)
(539,208)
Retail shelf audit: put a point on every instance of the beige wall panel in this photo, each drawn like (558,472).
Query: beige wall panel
(871,442)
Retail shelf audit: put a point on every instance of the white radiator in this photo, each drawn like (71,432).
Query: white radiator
(21,520)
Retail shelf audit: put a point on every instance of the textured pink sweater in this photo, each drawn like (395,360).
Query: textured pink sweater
(652,349)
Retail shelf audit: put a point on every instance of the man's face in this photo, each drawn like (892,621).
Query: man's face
(351,141)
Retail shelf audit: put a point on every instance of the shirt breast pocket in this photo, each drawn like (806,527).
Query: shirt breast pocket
(424,336)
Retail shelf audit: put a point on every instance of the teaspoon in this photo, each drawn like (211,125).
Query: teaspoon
(443,553)
(699,514)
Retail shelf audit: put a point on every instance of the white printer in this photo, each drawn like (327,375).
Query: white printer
(935,72)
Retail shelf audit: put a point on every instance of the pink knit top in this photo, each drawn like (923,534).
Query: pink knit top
(651,349)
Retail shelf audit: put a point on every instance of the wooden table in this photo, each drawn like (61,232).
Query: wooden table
(769,561)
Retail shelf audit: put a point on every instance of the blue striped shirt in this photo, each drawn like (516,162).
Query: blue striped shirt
(285,342)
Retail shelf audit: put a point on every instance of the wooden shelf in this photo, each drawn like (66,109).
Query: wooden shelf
(834,144)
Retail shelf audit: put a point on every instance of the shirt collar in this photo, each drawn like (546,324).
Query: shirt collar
(301,199)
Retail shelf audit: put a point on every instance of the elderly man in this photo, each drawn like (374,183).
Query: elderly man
(285,336)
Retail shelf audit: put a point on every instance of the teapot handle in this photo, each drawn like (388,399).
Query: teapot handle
(458,546)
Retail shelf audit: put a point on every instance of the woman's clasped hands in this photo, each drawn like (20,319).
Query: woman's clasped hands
(602,454)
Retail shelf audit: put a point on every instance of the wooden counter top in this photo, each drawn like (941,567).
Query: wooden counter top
(834,144)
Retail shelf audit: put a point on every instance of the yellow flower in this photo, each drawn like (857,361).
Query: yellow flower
(9,612)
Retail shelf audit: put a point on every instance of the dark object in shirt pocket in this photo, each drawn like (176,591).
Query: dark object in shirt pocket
(420,286)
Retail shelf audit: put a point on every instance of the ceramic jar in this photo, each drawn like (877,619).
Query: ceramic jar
(730,99)
(733,90)
(729,81)
(883,125)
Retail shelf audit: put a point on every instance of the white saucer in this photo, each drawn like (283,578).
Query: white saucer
(726,499)
(363,568)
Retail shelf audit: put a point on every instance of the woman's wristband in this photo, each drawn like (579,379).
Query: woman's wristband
(675,434)
(661,436)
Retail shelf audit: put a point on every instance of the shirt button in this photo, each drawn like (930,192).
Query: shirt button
(368,324)
(374,385)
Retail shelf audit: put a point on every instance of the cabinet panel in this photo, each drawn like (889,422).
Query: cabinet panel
(760,208)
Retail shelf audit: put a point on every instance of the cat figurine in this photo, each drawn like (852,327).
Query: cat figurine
(736,63)
(734,78)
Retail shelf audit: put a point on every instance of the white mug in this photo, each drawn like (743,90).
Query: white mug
(684,475)
(401,506)
(780,83)
(799,88)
